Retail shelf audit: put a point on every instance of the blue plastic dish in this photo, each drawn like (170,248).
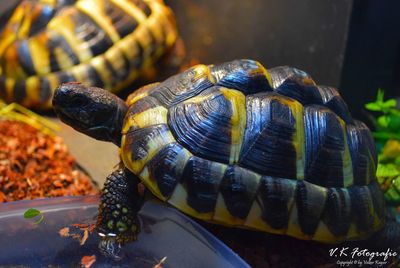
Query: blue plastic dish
(165,233)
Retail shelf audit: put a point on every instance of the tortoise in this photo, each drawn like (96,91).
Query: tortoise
(99,42)
(238,145)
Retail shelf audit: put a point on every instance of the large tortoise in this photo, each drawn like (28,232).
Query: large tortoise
(99,42)
(237,145)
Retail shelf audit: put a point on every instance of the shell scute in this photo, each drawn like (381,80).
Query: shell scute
(362,154)
(299,85)
(337,215)
(202,179)
(276,197)
(328,161)
(146,112)
(123,23)
(140,145)
(273,139)
(310,204)
(183,86)
(248,76)
(239,188)
(203,125)
(166,168)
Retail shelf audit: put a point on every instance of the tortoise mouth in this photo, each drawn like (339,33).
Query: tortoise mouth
(80,120)
(83,124)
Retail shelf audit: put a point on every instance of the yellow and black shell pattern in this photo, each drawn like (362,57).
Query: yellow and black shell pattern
(102,43)
(269,150)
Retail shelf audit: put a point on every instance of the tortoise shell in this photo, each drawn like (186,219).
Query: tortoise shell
(98,42)
(268,150)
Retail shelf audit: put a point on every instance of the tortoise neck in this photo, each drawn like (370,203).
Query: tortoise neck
(117,123)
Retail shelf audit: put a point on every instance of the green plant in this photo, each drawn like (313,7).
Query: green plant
(32,213)
(388,171)
(387,137)
(387,124)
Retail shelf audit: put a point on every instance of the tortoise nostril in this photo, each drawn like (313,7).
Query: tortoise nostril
(63,91)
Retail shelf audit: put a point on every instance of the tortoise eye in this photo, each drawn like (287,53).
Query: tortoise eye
(79,100)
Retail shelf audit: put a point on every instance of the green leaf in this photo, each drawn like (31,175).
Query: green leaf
(391,103)
(380,95)
(396,183)
(397,161)
(32,213)
(373,106)
(382,180)
(391,149)
(387,170)
(392,196)
(383,121)
(394,123)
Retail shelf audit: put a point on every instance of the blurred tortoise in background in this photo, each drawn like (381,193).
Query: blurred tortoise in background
(98,42)
(238,145)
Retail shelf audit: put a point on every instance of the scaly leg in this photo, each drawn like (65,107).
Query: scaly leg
(117,223)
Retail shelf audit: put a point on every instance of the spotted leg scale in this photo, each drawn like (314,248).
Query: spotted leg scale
(119,204)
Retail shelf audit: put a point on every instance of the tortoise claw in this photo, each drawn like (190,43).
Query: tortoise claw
(110,248)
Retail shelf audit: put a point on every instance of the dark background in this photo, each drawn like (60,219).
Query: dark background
(353,45)
(372,58)
(309,34)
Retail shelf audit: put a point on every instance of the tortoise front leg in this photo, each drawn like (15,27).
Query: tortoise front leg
(117,222)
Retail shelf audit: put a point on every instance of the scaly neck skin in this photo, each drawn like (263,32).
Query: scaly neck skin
(90,110)
(116,134)
(111,129)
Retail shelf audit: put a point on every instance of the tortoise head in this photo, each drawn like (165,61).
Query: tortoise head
(90,110)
